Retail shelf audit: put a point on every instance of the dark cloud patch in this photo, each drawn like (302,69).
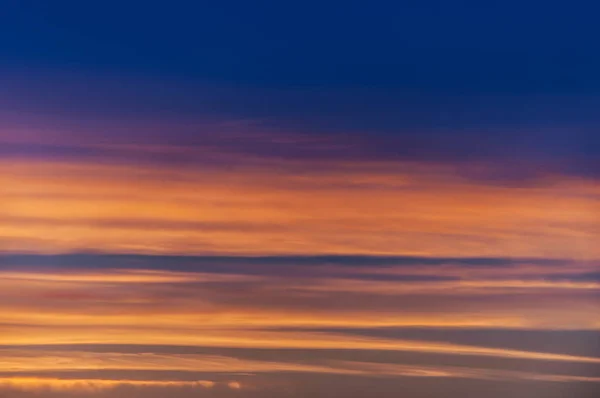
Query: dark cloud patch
(575,277)
(239,263)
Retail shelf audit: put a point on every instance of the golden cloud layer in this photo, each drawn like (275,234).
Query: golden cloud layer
(277,207)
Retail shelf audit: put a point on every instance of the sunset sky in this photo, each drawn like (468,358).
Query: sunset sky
(263,199)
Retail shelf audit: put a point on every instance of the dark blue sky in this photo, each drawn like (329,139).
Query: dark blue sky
(419,79)
(449,47)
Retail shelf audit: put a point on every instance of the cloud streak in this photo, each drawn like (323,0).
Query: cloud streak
(258,210)
(90,385)
(237,257)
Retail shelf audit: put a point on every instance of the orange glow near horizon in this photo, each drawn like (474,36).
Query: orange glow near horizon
(50,314)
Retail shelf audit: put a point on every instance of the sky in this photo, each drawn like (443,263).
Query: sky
(275,199)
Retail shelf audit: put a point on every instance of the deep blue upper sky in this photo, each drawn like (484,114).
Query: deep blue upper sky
(477,77)
(416,46)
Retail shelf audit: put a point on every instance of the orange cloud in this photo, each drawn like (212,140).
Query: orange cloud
(135,299)
(18,360)
(277,208)
(57,384)
(269,340)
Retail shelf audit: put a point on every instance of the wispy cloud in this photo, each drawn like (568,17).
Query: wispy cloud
(37,384)
(274,209)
